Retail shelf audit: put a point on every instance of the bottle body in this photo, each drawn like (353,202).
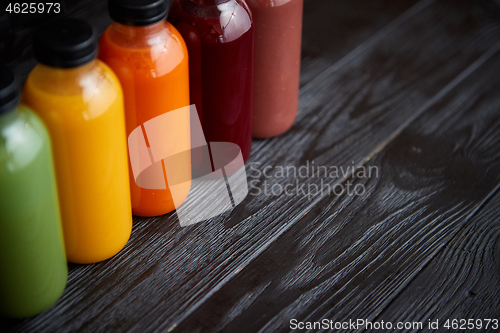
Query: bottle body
(278,34)
(32,259)
(219,37)
(83,110)
(151,63)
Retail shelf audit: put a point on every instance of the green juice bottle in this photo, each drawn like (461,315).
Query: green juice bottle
(33,269)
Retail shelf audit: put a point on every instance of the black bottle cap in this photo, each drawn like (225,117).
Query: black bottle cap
(65,43)
(9,94)
(137,12)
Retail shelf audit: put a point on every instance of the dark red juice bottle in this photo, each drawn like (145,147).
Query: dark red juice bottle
(219,37)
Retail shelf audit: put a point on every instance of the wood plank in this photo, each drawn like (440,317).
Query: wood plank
(463,280)
(351,256)
(349,23)
(347,114)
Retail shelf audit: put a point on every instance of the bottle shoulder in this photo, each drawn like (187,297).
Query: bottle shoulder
(23,137)
(152,53)
(82,92)
(119,39)
(61,83)
(218,23)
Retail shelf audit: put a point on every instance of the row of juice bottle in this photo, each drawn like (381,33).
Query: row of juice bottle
(67,190)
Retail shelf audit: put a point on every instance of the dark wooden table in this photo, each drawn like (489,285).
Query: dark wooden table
(410,89)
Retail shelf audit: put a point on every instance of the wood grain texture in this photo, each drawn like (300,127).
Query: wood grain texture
(345,25)
(463,280)
(355,99)
(435,205)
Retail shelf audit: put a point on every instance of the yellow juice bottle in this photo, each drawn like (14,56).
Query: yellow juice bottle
(81,102)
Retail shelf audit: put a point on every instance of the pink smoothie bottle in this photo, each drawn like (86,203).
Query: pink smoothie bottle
(278,34)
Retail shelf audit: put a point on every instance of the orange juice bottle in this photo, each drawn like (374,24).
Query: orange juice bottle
(81,102)
(150,59)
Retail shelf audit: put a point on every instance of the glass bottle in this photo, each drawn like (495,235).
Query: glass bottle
(219,37)
(150,59)
(32,260)
(278,34)
(80,100)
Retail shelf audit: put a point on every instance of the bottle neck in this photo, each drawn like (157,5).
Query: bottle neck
(207,2)
(8,117)
(138,37)
(145,31)
(54,73)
